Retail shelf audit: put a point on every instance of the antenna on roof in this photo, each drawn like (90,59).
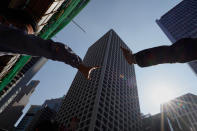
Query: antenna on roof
(78,26)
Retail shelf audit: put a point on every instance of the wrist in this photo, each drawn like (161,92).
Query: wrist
(80,66)
(134,59)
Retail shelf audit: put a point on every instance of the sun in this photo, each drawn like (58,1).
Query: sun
(162,94)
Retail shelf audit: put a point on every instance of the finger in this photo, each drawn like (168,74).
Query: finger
(90,71)
(88,76)
(96,67)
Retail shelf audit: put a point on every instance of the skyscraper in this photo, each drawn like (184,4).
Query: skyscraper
(180,22)
(109,101)
(20,81)
(155,123)
(53,104)
(37,114)
(182,112)
(14,110)
(29,116)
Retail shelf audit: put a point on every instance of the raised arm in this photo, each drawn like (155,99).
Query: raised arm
(16,41)
(182,51)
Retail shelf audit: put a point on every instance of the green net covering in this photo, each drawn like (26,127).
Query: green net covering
(68,10)
(66,20)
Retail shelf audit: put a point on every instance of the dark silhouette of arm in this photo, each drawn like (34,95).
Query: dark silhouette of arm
(184,50)
(13,40)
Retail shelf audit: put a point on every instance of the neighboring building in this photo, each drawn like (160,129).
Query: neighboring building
(180,22)
(38,114)
(109,101)
(27,119)
(53,104)
(20,80)
(42,115)
(182,112)
(155,123)
(13,112)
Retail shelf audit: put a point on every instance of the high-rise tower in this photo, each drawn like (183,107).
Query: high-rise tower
(39,114)
(15,109)
(109,101)
(182,112)
(181,22)
(20,81)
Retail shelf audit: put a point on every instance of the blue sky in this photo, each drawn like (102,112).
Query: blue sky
(134,22)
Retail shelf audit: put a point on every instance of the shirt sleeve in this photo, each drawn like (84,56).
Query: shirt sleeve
(182,51)
(153,56)
(13,40)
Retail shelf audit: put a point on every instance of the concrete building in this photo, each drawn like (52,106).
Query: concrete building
(42,115)
(27,119)
(109,101)
(20,81)
(53,104)
(14,110)
(182,112)
(38,114)
(157,122)
(180,22)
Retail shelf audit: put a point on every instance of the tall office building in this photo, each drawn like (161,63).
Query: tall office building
(37,114)
(14,110)
(20,81)
(180,22)
(155,123)
(109,101)
(53,104)
(41,116)
(182,112)
(29,116)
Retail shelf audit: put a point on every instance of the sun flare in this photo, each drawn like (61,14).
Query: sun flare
(162,94)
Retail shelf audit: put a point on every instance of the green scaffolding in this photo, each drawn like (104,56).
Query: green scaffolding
(66,13)
(63,17)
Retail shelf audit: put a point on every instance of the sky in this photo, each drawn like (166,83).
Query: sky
(134,22)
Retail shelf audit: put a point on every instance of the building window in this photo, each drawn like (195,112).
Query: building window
(98,124)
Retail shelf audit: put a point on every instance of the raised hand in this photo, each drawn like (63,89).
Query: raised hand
(86,70)
(128,55)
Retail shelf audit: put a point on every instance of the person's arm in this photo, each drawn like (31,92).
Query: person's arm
(184,50)
(154,56)
(16,41)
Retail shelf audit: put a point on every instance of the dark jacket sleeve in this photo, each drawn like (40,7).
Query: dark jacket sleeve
(184,50)
(16,41)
